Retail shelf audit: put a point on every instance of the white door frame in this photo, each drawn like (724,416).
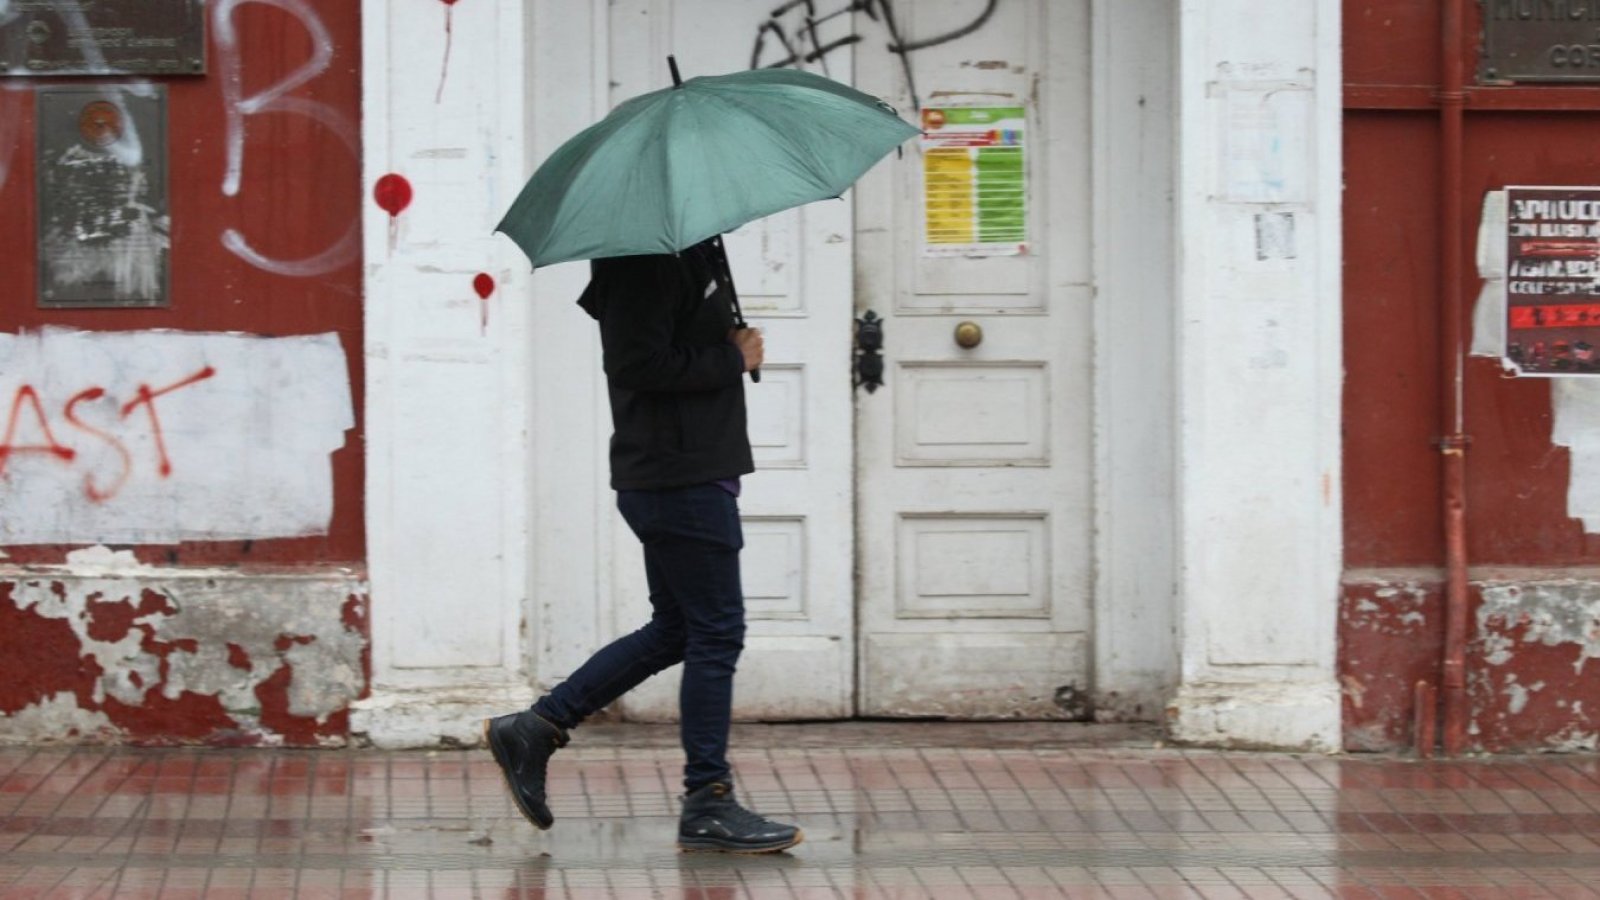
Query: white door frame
(1135,644)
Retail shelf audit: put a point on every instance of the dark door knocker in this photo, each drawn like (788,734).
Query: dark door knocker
(869,351)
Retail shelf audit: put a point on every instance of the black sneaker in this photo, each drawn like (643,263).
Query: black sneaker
(522,743)
(713,820)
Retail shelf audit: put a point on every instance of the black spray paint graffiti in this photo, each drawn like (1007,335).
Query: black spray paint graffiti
(799,43)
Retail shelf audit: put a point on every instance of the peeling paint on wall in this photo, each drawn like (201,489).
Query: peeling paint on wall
(1553,613)
(191,655)
(1385,646)
(1575,409)
(1528,670)
(158,437)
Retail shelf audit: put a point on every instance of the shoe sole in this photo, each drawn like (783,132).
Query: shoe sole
(505,772)
(716,847)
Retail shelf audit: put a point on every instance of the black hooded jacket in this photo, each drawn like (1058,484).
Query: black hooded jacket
(676,381)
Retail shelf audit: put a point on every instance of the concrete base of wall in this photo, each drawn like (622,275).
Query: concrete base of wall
(1257,715)
(407,718)
(122,652)
(1532,653)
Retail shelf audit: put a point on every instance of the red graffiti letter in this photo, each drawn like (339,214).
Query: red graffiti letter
(26,392)
(95,494)
(147,398)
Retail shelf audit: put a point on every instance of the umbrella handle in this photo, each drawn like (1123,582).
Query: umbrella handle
(727,272)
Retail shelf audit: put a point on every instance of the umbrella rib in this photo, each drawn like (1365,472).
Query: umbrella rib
(666,181)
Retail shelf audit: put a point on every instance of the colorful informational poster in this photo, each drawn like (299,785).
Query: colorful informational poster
(974,181)
(1553,280)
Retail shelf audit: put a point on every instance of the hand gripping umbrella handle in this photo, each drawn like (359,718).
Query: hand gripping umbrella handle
(727,274)
(755,374)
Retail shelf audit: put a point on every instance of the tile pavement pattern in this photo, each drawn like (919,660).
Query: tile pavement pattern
(958,814)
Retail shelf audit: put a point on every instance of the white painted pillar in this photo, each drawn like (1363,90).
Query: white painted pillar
(1258,372)
(448,408)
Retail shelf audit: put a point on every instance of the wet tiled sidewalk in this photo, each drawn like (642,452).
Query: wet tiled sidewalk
(889,811)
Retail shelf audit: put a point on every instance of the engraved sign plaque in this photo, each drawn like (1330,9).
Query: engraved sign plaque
(102,37)
(105,233)
(1541,40)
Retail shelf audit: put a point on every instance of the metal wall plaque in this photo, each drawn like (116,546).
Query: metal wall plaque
(102,37)
(105,233)
(1540,40)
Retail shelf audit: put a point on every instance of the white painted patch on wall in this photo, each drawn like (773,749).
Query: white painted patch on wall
(1575,407)
(157,437)
(1489,316)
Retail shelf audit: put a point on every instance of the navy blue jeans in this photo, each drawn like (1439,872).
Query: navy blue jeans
(691,539)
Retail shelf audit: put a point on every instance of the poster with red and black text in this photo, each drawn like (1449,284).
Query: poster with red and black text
(1553,280)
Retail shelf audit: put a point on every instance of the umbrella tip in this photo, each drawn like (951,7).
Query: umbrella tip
(672,63)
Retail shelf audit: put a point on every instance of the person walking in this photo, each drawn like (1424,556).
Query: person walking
(675,366)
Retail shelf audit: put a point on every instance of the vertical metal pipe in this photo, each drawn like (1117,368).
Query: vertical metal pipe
(1453,443)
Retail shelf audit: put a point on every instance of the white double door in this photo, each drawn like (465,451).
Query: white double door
(922,549)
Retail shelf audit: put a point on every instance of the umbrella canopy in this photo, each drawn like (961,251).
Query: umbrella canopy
(671,168)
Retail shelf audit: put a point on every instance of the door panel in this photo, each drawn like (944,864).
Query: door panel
(974,465)
(793,274)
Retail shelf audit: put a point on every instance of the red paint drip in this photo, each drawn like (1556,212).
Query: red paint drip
(444,68)
(484,286)
(393,193)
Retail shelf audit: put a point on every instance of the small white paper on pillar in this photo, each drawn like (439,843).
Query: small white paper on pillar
(1265,153)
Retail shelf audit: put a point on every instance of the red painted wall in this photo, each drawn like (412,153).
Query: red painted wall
(1391,621)
(299,195)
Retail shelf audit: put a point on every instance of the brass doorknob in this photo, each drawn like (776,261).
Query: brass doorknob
(969,335)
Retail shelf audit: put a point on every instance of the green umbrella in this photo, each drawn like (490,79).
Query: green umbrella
(669,169)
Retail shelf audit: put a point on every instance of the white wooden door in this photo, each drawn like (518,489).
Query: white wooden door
(974,465)
(793,271)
